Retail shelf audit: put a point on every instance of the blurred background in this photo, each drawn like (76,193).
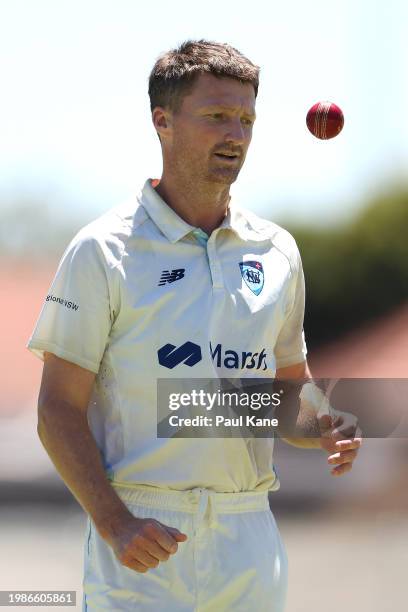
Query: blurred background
(76,139)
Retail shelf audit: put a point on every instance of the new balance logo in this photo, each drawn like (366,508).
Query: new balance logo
(188,353)
(170,277)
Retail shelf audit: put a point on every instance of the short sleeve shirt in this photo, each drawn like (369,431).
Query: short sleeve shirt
(139,280)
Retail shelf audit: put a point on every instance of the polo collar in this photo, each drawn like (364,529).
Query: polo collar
(175,228)
(246,225)
(168,221)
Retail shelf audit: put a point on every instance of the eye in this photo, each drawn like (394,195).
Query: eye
(247,121)
(216,115)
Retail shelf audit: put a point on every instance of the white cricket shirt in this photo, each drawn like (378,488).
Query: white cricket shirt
(134,290)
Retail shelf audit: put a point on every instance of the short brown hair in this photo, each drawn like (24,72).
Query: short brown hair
(175,72)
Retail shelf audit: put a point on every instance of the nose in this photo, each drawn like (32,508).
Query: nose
(235,132)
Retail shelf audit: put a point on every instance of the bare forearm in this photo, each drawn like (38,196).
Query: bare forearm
(303,442)
(307,431)
(65,435)
(298,423)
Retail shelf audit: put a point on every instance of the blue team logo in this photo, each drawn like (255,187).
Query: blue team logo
(253,275)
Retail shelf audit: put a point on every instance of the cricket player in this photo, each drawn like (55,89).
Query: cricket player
(178,282)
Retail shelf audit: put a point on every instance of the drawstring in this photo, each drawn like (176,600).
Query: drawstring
(212,510)
(206,507)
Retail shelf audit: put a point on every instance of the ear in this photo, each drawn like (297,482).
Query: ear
(162,121)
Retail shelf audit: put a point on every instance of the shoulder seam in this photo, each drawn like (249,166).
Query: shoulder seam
(284,254)
(141,221)
(276,229)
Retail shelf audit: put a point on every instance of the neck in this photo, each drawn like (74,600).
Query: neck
(200,206)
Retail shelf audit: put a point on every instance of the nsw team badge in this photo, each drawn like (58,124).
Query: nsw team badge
(253,275)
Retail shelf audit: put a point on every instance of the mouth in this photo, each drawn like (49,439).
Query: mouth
(228,157)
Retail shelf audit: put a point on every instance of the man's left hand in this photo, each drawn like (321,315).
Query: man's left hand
(343,448)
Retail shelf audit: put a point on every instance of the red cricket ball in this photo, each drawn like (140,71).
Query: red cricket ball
(325,120)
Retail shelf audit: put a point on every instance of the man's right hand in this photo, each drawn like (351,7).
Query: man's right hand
(141,544)
(63,402)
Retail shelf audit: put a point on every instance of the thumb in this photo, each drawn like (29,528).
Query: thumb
(325,424)
(176,534)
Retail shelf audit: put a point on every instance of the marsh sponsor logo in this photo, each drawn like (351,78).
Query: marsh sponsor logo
(189,353)
(62,301)
(244,360)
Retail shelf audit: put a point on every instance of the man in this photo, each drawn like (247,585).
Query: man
(158,288)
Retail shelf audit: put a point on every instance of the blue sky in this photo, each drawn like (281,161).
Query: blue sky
(75,123)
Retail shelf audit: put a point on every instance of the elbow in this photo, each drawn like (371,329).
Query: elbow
(55,415)
(46,412)
(41,420)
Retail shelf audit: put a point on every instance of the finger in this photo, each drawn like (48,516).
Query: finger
(336,435)
(341,469)
(145,558)
(178,535)
(155,550)
(343,457)
(325,423)
(339,420)
(158,533)
(348,427)
(347,433)
(135,565)
(342,445)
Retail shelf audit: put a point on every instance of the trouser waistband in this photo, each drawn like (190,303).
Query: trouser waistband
(192,500)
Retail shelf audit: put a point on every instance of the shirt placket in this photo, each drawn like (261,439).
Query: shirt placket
(213,262)
(209,244)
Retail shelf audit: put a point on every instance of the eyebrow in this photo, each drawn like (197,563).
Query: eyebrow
(224,107)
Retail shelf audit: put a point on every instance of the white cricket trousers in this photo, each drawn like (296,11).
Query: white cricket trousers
(234,558)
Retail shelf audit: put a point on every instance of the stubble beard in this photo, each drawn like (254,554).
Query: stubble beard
(222,175)
(204,174)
